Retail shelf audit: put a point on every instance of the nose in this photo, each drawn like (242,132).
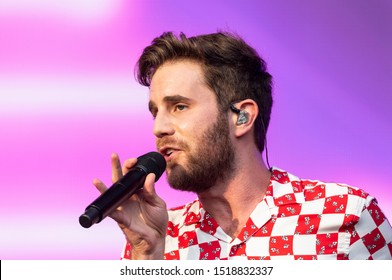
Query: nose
(163,125)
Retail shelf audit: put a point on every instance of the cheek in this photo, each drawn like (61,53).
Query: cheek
(194,125)
(190,128)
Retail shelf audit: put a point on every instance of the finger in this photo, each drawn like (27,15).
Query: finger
(116,214)
(116,168)
(99,185)
(128,164)
(149,192)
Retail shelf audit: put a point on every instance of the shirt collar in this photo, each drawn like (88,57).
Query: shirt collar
(283,189)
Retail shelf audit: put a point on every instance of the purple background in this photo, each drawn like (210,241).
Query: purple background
(68,99)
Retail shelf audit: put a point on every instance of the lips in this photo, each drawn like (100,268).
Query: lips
(168,152)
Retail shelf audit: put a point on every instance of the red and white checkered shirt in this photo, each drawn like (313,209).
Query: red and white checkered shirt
(297,219)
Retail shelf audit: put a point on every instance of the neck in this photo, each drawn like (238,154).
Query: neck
(232,201)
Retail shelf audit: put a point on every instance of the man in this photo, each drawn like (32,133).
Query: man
(211,99)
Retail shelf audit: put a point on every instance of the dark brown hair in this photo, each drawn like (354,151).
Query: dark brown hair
(232,69)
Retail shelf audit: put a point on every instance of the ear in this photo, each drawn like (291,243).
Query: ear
(251,110)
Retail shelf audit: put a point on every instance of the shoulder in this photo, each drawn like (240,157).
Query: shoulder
(331,197)
(312,186)
(328,191)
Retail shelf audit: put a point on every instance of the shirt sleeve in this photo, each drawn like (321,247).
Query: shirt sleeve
(372,235)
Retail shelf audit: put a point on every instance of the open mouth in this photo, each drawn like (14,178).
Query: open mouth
(168,153)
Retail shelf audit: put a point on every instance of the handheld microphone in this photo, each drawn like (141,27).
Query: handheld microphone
(123,189)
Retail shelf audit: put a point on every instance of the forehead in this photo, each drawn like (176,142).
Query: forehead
(183,77)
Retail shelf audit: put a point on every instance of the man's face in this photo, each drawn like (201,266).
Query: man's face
(192,134)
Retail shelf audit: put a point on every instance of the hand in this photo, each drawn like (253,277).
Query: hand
(143,218)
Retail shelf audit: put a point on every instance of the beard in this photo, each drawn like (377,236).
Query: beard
(212,160)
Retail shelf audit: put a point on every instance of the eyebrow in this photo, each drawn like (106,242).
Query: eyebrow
(169,99)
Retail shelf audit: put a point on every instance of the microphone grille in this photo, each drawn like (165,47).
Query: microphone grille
(152,162)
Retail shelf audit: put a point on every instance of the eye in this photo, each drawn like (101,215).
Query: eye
(154,114)
(180,107)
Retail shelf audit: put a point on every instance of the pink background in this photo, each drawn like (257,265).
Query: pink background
(68,99)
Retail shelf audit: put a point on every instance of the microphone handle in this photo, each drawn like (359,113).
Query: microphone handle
(113,197)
